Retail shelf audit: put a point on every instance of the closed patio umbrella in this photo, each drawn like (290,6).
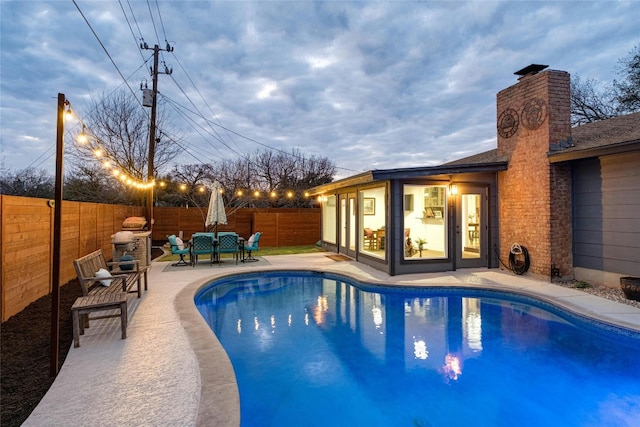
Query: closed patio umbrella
(216,214)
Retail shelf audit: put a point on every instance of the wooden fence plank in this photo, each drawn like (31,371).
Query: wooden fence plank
(26,237)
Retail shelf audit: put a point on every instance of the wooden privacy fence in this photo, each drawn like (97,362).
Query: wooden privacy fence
(26,237)
(26,243)
(279,226)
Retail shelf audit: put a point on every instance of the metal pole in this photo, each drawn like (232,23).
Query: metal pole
(152,134)
(57,228)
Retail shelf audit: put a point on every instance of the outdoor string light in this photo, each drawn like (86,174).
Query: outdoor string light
(86,139)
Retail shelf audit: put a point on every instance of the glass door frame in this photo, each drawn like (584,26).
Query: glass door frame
(347,234)
(471,234)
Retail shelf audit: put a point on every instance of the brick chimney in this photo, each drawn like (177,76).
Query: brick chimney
(534,118)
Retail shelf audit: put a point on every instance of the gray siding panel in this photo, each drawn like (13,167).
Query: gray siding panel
(606,223)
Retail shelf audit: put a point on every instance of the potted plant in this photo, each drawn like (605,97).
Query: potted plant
(421,242)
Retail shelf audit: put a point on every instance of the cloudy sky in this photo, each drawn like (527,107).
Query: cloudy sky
(370,85)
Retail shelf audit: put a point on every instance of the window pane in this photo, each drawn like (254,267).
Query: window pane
(470,225)
(329,219)
(373,221)
(425,221)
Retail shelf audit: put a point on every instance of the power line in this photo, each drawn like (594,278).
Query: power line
(201,96)
(131,29)
(161,23)
(103,47)
(229,131)
(243,136)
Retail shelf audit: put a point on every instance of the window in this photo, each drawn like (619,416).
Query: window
(373,215)
(329,219)
(425,222)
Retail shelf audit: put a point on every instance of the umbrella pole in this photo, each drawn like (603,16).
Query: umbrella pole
(215,234)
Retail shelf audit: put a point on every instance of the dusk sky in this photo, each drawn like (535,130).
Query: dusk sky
(370,85)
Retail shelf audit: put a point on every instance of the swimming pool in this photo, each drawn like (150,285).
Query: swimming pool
(315,349)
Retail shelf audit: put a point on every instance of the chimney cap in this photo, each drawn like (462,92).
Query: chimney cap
(531,69)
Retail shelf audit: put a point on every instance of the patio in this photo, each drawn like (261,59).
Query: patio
(172,371)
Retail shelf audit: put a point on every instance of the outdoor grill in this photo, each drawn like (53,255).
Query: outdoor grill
(124,241)
(134,240)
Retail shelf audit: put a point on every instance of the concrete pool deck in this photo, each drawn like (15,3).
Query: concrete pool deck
(171,370)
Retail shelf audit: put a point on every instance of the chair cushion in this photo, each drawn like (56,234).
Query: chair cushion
(179,243)
(251,239)
(104,274)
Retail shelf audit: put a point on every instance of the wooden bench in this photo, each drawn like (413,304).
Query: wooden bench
(87,267)
(97,297)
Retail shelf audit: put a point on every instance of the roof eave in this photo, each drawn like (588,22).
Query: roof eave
(439,170)
(408,173)
(361,178)
(608,150)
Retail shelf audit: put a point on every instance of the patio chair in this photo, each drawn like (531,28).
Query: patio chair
(370,241)
(251,246)
(178,249)
(201,245)
(228,244)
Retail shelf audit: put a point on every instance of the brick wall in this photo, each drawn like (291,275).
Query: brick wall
(534,204)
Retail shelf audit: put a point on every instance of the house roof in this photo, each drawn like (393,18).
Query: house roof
(612,136)
(616,135)
(490,156)
(409,173)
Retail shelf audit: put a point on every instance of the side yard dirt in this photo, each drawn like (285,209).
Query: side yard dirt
(25,341)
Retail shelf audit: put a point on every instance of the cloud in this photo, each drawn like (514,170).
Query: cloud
(370,85)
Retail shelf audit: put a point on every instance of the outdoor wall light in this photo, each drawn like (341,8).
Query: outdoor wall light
(453,189)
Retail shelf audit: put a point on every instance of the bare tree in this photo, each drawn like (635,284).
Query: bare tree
(119,126)
(628,90)
(590,105)
(264,179)
(27,182)
(88,182)
(188,185)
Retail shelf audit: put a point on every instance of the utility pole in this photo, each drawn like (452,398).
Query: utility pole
(152,127)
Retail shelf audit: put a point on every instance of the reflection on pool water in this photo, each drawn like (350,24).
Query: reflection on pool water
(316,350)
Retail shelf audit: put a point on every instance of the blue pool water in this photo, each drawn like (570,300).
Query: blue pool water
(316,350)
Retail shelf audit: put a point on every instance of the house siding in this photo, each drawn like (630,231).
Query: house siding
(606,218)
